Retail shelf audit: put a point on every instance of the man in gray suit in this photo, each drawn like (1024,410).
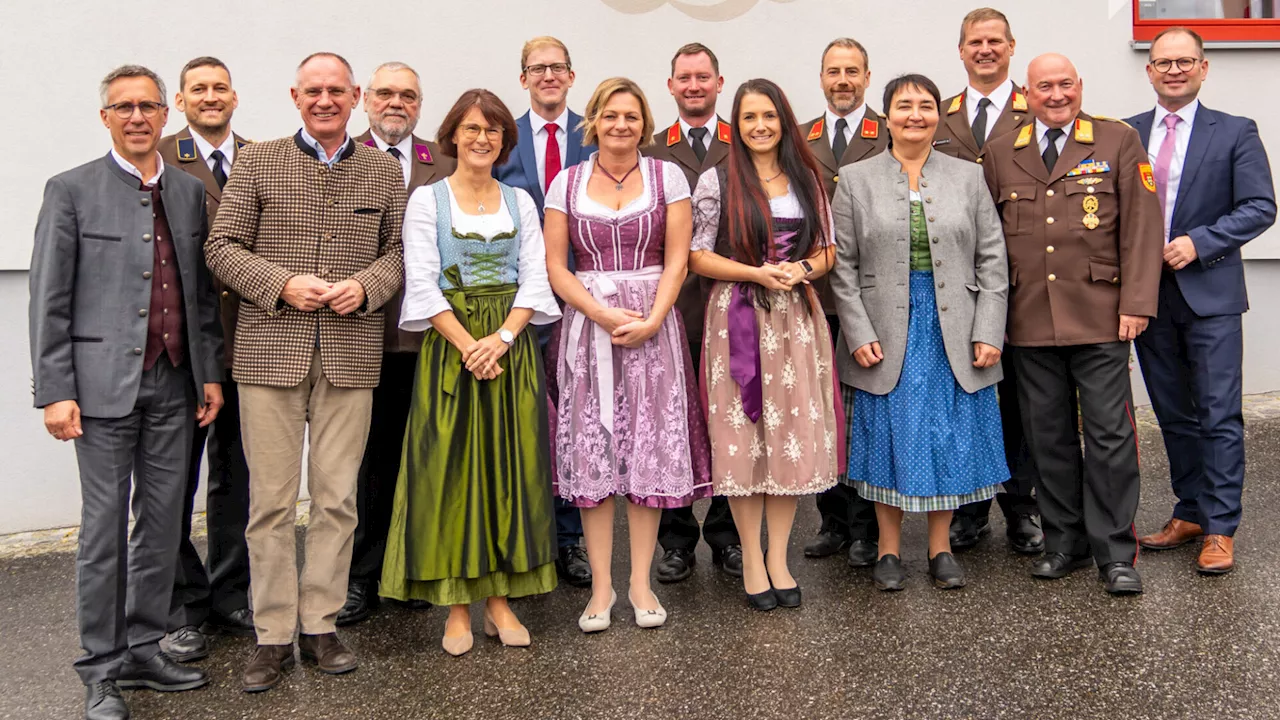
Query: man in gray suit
(126,355)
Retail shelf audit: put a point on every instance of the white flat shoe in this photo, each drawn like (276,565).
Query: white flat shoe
(648,618)
(599,621)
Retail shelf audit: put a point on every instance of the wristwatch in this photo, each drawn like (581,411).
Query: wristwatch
(505,336)
(808,269)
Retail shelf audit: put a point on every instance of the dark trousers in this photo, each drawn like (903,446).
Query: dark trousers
(124,580)
(220,586)
(845,512)
(1192,368)
(568,517)
(1016,498)
(1087,503)
(380,467)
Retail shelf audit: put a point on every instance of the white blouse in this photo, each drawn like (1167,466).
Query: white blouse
(674,186)
(423,298)
(706,212)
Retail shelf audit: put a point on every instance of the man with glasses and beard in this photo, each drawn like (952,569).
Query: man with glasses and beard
(212,597)
(393,101)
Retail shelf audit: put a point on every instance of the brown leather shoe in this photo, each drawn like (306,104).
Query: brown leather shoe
(1217,555)
(327,652)
(1174,533)
(266,668)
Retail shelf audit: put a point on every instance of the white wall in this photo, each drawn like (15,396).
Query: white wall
(54,54)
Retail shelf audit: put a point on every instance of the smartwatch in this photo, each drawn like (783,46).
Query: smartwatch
(505,336)
(808,269)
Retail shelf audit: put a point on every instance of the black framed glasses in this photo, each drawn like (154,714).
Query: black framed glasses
(1186,64)
(124,111)
(540,70)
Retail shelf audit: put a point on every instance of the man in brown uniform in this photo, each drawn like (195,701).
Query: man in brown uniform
(1084,231)
(216,596)
(989,107)
(847,132)
(697,142)
(393,101)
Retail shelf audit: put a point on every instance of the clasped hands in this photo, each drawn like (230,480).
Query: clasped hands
(782,276)
(627,328)
(481,356)
(984,355)
(309,293)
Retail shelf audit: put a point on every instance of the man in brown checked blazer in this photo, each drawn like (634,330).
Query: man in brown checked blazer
(989,107)
(216,596)
(697,142)
(393,101)
(1085,235)
(847,132)
(309,234)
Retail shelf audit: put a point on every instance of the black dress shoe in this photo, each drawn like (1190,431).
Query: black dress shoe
(361,600)
(102,701)
(826,544)
(788,597)
(1025,535)
(416,604)
(1121,578)
(946,572)
(186,644)
(161,673)
(967,532)
(863,553)
(573,566)
(1055,566)
(888,574)
(729,560)
(238,623)
(764,601)
(676,565)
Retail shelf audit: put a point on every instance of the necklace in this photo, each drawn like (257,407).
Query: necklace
(476,197)
(775,177)
(618,183)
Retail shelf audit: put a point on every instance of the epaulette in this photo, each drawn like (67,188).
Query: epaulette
(1111,119)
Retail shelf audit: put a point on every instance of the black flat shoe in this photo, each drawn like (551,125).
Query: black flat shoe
(966,532)
(161,673)
(186,644)
(1055,566)
(237,622)
(102,701)
(573,567)
(1025,535)
(946,572)
(728,560)
(888,574)
(1121,578)
(788,597)
(764,601)
(863,553)
(361,600)
(826,544)
(676,565)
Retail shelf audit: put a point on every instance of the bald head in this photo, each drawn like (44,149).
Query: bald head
(1053,90)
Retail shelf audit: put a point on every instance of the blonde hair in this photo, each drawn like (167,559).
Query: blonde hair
(600,98)
(542,41)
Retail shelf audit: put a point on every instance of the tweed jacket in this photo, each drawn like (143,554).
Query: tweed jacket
(285,213)
(872,273)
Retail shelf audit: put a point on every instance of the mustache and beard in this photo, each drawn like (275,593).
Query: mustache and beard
(843,105)
(393,125)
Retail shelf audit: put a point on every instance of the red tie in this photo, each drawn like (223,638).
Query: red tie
(552,163)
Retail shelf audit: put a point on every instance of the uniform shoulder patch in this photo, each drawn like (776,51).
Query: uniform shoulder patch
(1024,136)
(870,128)
(1111,119)
(673,134)
(1148,177)
(187,149)
(956,102)
(723,132)
(1019,102)
(816,131)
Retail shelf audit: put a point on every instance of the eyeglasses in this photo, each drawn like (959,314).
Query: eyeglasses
(471,132)
(540,70)
(407,97)
(124,111)
(1186,64)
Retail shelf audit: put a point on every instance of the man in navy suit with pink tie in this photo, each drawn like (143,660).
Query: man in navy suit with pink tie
(1214,185)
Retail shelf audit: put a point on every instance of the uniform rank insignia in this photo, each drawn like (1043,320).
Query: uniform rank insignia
(422,152)
(1084,131)
(1019,102)
(1024,136)
(956,102)
(816,131)
(1089,167)
(673,134)
(724,133)
(187,149)
(870,129)
(1148,177)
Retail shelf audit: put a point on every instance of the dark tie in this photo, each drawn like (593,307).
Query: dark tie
(1051,152)
(841,143)
(696,136)
(219,175)
(395,152)
(980,123)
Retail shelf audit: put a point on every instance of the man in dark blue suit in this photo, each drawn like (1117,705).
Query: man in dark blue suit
(550,141)
(1214,184)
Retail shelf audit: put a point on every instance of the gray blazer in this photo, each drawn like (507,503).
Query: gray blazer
(873,266)
(87,286)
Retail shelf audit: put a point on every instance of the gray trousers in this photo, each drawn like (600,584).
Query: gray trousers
(124,581)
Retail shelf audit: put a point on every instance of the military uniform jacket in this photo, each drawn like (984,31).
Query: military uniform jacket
(180,150)
(429,165)
(1085,241)
(285,213)
(955,135)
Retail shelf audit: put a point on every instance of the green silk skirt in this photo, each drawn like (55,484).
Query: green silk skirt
(473,515)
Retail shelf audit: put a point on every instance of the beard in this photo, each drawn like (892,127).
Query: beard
(843,106)
(393,128)
(207,127)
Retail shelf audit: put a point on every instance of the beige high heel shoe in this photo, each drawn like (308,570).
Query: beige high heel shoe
(457,645)
(511,637)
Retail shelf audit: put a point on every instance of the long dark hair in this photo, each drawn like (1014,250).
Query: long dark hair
(746,204)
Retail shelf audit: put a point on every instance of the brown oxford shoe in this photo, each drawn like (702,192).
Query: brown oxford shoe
(327,652)
(1174,534)
(1217,555)
(267,667)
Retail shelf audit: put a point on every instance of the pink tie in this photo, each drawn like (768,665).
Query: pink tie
(1164,158)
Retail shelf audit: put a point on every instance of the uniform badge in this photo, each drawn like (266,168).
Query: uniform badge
(723,132)
(1090,205)
(816,131)
(1088,181)
(1024,136)
(1091,221)
(870,129)
(422,152)
(673,134)
(187,149)
(241,143)
(1148,177)
(1084,131)
(1019,102)
(1089,167)
(956,102)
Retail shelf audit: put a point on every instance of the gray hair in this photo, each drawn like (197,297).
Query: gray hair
(351,74)
(392,66)
(849,44)
(130,71)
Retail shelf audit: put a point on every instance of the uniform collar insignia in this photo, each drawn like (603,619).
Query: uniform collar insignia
(870,128)
(673,134)
(1019,102)
(1084,131)
(816,132)
(187,149)
(422,152)
(1024,136)
(956,102)
(723,132)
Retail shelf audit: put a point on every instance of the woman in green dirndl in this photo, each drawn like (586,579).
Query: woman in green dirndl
(473,517)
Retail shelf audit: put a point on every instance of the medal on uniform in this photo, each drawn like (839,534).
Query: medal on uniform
(1090,204)
(1091,221)
(1088,181)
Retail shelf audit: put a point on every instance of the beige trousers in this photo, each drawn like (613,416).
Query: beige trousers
(272,423)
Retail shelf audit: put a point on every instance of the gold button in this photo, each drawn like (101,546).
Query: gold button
(835,178)
(1048,193)
(941,284)
(1089,190)
(226,294)
(1013,196)
(1052,277)
(1049,220)
(979,161)
(1115,281)
(1049,249)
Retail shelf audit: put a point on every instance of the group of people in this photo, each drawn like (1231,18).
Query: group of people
(491,337)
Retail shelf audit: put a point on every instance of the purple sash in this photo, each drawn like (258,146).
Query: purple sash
(744,338)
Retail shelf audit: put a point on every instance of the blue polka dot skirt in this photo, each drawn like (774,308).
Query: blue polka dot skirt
(927,445)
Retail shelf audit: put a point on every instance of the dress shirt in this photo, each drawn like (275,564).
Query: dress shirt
(853,118)
(710,125)
(129,168)
(228,148)
(405,146)
(539,126)
(999,98)
(1182,141)
(324,157)
(1043,143)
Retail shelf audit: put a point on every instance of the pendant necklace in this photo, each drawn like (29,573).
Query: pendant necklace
(618,183)
(775,177)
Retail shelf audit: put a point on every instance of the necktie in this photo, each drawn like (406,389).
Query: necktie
(551,164)
(219,175)
(395,152)
(980,123)
(1051,152)
(841,142)
(1164,157)
(697,139)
